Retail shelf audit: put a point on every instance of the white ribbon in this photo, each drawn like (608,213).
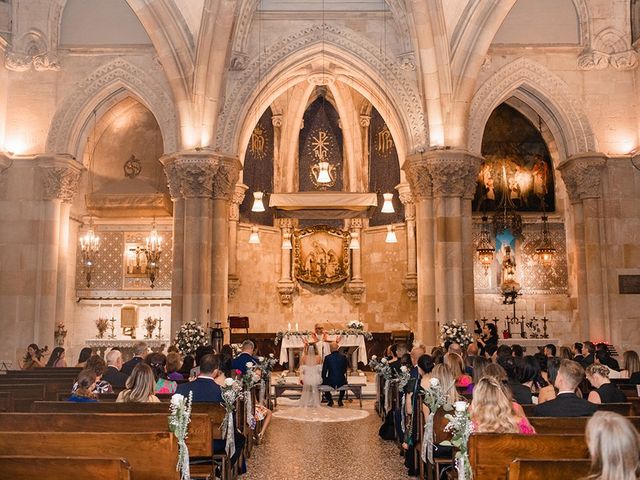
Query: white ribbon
(462,463)
(229,434)
(387,396)
(248,401)
(427,439)
(403,406)
(183,460)
(262,391)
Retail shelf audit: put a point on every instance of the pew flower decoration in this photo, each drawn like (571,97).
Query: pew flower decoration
(384,370)
(190,336)
(456,333)
(435,398)
(403,377)
(102,324)
(461,426)
(231,391)
(179,419)
(250,378)
(265,365)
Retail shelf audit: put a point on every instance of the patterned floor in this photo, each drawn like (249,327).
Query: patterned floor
(294,450)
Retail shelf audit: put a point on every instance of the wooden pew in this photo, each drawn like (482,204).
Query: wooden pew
(48,372)
(24,394)
(522,469)
(6,402)
(53,386)
(626,409)
(152,455)
(491,454)
(64,468)
(570,425)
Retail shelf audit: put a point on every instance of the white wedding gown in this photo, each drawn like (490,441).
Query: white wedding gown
(311,378)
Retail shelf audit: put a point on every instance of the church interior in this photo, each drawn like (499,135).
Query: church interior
(304,172)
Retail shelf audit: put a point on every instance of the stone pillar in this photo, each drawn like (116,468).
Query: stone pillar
(205,181)
(410,282)
(286,287)
(234,218)
(582,175)
(365,121)
(356,287)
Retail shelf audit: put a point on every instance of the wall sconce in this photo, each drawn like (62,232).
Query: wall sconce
(89,246)
(387,206)
(354,243)
(153,252)
(391,235)
(254,238)
(257,206)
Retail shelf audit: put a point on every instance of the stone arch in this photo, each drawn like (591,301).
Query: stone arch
(545,92)
(70,119)
(362,67)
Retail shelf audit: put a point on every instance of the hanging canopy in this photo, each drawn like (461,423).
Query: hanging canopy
(324,205)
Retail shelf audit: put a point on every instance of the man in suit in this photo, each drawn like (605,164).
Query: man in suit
(334,373)
(240,362)
(112,374)
(140,350)
(567,403)
(588,353)
(603,357)
(577,352)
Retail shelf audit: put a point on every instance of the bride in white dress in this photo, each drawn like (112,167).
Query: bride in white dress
(310,377)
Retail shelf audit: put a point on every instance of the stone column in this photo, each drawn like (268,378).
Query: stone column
(365,121)
(410,282)
(177,277)
(582,175)
(286,287)
(234,217)
(356,287)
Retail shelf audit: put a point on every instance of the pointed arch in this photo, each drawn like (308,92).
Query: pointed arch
(71,117)
(546,93)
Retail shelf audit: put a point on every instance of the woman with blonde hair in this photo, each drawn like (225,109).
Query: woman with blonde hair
(456,365)
(447,383)
(140,386)
(605,391)
(492,410)
(614,447)
(630,364)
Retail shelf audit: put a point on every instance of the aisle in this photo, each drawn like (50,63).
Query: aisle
(294,450)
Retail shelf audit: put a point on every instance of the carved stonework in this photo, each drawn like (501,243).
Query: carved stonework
(224,181)
(610,48)
(357,223)
(407,61)
(239,61)
(355,289)
(286,290)
(60,180)
(410,285)
(418,176)
(236,200)
(31,49)
(365,121)
(582,175)
(233,285)
(276,121)
(406,197)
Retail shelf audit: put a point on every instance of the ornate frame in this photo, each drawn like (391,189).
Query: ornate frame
(305,237)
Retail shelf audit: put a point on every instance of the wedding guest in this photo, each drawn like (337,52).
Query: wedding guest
(576,351)
(411,405)
(85,391)
(489,338)
(480,365)
(588,353)
(456,348)
(140,386)
(605,357)
(140,350)
(456,365)
(96,364)
(550,350)
(514,367)
(201,351)
(492,411)
(631,366)
(172,349)
(496,371)
(246,356)
(158,364)
(188,362)
(447,382)
(517,351)
(398,350)
(112,374)
(34,358)
(56,359)
(226,357)
(437,354)
(85,353)
(565,352)
(549,391)
(566,403)
(614,447)
(530,376)
(605,391)
(174,363)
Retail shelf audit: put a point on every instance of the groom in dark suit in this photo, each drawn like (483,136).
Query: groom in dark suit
(334,373)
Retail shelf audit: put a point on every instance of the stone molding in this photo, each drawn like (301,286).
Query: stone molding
(417,173)
(242,85)
(233,284)
(553,91)
(406,197)
(410,286)
(582,175)
(64,133)
(355,289)
(60,178)
(356,223)
(610,48)
(201,174)
(286,290)
(236,200)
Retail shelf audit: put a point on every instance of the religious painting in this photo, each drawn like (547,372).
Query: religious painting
(321,255)
(517,165)
(135,260)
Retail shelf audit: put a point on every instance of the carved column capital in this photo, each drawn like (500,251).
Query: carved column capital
(276,121)
(201,174)
(417,172)
(454,173)
(236,200)
(60,177)
(356,223)
(285,224)
(582,175)
(365,121)
(406,197)
(355,289)
(286,290)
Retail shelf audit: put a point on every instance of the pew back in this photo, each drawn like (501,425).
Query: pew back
(571,425)
(24,395)
(625,409)
(64,468)
(525,469)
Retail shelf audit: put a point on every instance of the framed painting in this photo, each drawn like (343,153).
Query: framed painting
(321,255)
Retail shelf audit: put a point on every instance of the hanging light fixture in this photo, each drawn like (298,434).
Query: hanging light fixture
(391,235)
(89,246)
(545,251)
(258,206)
(323,173)
(485,249)
(387,206)
(254,238)
(354,243)
(153,252)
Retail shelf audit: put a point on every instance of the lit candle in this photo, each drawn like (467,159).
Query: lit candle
(289,327)
(544,310)
(112,311)
(99,310)
(296,326)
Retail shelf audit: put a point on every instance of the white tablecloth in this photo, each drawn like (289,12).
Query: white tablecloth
(530,343)
(296,341)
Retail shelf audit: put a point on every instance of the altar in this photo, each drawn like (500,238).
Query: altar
(530,345)
(125,345)
(355,343)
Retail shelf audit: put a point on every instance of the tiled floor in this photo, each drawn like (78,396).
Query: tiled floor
(294,450)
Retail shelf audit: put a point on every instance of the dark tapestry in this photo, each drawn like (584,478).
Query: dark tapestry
(384,170)
(517,163)
(258,171)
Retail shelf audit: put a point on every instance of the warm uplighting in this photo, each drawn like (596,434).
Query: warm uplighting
(485,249)
(323,173)
(545,251)
(89,246)
(153,252)
(254,238)
(387,206)
(391,235)
(15,145)
(258,206)
(354,243)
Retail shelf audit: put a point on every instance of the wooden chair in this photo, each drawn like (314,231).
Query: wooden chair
(535,469)
(64,468)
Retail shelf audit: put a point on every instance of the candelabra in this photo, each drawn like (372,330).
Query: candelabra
(153,252)
(89,246)
(112,320)
(159,335)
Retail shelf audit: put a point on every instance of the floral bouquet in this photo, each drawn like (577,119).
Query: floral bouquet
(265,365)
(385,371)
(355,325)
(179,419)
(455,332)
(102,324)
(403,377)
(150,325)
(231,391)
(461,426)
(251,377)
(190,336)
(434,398)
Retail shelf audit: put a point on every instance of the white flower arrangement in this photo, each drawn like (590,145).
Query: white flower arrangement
(190,336)
(456,333)
(231,391)
(355,325)
(179,418)
(461,426)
